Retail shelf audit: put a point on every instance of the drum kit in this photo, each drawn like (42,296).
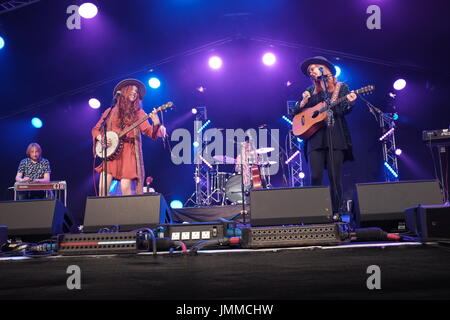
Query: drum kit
(226,187)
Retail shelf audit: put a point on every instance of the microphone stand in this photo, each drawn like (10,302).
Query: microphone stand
(330,124)
(103,127)
(283,153)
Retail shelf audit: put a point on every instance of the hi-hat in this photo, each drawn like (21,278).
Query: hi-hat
(264,150)
(225,159)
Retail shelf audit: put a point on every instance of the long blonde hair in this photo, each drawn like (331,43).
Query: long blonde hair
(32,145)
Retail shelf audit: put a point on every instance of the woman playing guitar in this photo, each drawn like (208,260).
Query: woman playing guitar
(317,146)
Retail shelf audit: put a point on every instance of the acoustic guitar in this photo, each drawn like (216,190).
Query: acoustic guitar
(117,138)
(310,120)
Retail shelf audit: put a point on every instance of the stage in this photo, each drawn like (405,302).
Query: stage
(408,270)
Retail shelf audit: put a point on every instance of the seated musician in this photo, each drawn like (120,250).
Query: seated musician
(34,168)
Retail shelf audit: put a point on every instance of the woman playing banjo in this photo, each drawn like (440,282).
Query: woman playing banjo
(127,165)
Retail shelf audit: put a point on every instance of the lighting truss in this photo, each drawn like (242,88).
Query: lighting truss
(7,6)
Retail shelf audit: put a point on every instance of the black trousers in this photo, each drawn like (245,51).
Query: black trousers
(319,160)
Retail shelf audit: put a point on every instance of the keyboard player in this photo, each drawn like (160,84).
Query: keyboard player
(34,168)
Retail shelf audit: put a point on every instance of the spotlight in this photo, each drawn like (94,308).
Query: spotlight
(2,43)
(194,110)
(94,103)
(269,59)
(215,62)
(392,95)
(288,84)
(392,171)
(395,116)
(196,144)
(338,71)
(197,179)
(201,89)
(176,204)
(154,83)
(289,121)
(301,175)
(88,10)
(398,152)
(400,84)
(36,122)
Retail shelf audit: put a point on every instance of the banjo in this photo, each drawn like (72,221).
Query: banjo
(117,138)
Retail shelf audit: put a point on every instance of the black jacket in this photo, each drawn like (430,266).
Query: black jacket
(339,132)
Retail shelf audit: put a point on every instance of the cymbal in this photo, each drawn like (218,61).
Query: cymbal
(269,163)
(264,150)
(225,159)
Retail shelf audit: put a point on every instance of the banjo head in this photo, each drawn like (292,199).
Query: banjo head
(111,149)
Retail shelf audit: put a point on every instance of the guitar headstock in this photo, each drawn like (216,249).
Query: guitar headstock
(165,106)
(366,89)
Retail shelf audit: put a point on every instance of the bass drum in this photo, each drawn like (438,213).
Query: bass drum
(233,190)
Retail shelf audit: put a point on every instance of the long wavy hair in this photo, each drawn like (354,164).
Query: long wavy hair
(128,111)
(331,83)
(34,145)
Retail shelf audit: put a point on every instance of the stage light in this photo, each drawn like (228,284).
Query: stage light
(288,83)
(269,59)
(299,140)
(398,152)
(215,62)
(94,103)
(196,144)
(197,179)
(204,126)
(301,175)
(292,157)
(384,136)
(36,122)
(399,84)
(395,116)
(201,89)
(2,43)
(395,174)
(194,110)
(154,83)
(176,204)
(88,10)
(338,71)
(287,120)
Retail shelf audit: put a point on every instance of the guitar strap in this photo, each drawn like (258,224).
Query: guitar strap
(336,92)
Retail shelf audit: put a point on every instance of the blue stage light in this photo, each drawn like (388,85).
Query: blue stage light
(176,204)
(204,126)
(36,122)
(287,120)
(2,43)
(395,116)
(154,83)
(338,71)
(392,171)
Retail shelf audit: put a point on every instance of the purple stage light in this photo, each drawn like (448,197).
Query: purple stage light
(215,62)
(201,89)
(194,110)
(301,175)
(399,84)
(269,59)
(88,10)
(94,103)
(398,152)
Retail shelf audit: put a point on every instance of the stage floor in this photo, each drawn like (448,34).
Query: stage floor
(408,270)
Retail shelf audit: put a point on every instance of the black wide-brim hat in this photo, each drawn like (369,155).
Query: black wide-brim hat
(317,60)
(131,82)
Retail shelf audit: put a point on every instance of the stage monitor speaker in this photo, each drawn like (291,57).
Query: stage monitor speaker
(429,222)
(28,218)
(383,204)
(290,206)
(126,212)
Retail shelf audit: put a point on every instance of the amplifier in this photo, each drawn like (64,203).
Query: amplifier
(192,233)
(429,222)
(288,236)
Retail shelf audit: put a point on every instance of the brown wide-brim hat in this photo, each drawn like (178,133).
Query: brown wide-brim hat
(131,82)
(317,60)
